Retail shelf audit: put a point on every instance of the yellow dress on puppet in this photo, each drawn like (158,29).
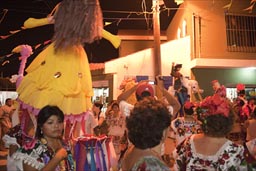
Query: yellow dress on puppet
(60,74)
(63,78)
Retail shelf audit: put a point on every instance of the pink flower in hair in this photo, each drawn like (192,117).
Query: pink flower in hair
(215,104)
(188,105)
(223,109)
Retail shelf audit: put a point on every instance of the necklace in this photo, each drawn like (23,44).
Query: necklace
(49,149)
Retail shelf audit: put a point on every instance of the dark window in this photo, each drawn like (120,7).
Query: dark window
(241,32)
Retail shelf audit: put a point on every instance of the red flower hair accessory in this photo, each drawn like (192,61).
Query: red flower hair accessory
(188,105)
(214,105)
(240,87)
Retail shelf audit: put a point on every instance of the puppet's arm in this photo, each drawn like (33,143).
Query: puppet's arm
(34,22)
(113,39)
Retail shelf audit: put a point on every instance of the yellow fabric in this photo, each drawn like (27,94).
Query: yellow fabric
(33,22)
(71,91)
(113,39)
(132,99)
(37,61)
(17,49)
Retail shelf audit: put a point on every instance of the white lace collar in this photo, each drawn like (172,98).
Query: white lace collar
(208,157)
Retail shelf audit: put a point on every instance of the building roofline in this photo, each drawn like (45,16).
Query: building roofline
(222,63)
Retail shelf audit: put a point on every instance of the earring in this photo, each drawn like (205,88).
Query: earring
(41,132)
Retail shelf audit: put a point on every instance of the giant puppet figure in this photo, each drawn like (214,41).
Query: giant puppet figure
(60,74)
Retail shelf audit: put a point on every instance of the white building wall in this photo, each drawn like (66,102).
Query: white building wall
(142,62)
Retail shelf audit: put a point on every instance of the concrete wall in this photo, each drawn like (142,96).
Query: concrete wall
(137,40)
(142,62)
(128,47)
(211,42)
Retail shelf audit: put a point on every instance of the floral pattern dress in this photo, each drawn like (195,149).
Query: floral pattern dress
(37,154)
(150,163)
(229,157)
(183,128)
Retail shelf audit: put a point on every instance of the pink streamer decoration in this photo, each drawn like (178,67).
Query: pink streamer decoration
(25,52)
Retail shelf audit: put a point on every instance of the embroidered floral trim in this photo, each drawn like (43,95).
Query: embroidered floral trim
(30,160)
(228,157)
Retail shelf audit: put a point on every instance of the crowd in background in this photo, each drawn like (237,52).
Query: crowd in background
(215,134)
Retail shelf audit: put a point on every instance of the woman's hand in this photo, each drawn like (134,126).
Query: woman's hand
(61,154)
(143,82)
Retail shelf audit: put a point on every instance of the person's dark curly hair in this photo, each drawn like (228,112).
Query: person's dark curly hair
(148,120)
(218,125)
(189,111)
(114,104)
(98,104)
(143,95)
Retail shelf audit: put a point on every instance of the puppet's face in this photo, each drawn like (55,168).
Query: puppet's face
(194,85)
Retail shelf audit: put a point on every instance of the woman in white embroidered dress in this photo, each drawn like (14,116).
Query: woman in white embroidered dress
(47,151)
(211,150)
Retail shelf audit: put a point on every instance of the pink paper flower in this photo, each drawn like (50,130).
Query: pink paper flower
(188,105)
(214,105)
(240,87)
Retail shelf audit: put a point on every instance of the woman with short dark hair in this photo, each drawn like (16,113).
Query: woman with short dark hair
(147,128)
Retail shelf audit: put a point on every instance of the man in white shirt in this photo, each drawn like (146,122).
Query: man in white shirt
(144,89)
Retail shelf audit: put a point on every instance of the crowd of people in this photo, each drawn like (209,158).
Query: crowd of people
(204,134)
